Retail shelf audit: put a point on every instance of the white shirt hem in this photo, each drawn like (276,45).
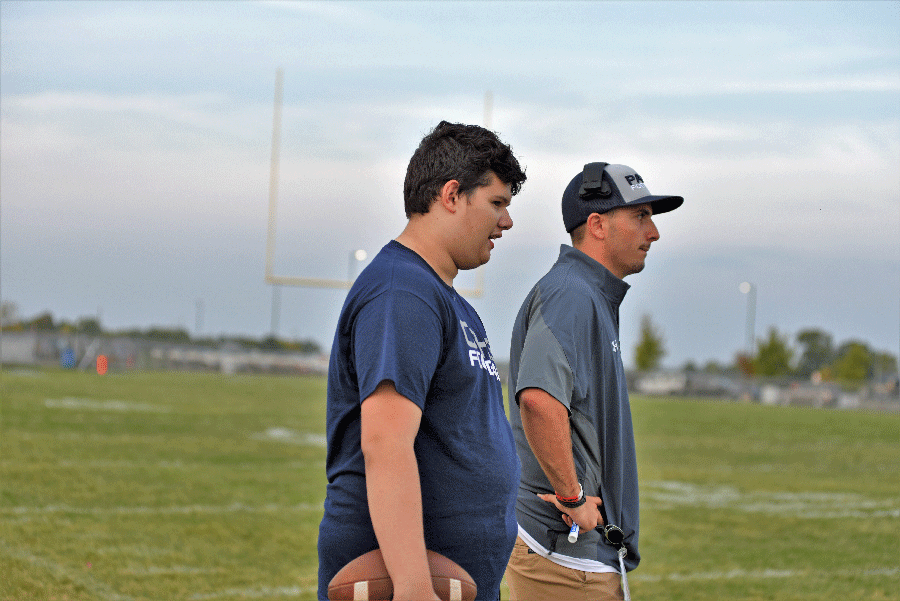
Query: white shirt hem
(573,563)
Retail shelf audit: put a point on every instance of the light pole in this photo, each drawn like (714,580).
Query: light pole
(749,289)
(276,309)
(198,324)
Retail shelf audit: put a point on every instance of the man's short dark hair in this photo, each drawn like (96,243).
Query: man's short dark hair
(466,153)
(578,234)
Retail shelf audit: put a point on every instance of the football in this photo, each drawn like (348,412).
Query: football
(366,579)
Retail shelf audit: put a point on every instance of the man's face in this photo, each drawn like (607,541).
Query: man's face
(631,231)
(484,215)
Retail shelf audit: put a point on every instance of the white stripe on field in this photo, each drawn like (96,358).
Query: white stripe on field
(169,571)
(289,436)
(295,591)
(143,510)
(173,465)
(97,590)
(255,593)
(809,505)
(283,435)
(769,574)
(133,551)
(94,405)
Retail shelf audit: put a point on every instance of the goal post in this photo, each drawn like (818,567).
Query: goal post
(307,282)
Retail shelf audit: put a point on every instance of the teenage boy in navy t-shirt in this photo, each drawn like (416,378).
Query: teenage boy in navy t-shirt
(420,454)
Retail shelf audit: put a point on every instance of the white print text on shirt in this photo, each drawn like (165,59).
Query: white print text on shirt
(480,351)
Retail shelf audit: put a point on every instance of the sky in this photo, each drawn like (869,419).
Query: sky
(136,144)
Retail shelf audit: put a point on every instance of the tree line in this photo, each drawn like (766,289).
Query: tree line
(91,326)
(812,356)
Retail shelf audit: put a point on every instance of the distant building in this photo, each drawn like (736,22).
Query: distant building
(123,353)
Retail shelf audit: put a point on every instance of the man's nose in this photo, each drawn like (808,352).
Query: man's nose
(653,234)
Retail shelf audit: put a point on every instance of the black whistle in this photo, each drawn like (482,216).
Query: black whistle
(614,534)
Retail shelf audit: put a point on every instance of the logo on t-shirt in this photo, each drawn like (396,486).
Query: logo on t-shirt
(480,351)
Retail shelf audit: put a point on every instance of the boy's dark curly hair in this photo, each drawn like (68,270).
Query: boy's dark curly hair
(466,153)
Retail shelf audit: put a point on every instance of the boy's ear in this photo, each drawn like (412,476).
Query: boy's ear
(449,195)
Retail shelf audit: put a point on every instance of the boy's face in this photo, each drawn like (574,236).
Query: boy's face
(484,216)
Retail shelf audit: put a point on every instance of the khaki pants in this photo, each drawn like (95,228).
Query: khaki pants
(534,578)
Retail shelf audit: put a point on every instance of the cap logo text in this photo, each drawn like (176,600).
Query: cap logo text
(635,181)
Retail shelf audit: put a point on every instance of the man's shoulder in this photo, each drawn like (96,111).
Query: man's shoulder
(563,297)
(564,286)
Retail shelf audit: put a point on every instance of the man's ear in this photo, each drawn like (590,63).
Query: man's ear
(597,226)
(449,195)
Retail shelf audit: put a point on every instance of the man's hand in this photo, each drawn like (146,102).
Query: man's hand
(546,424)
(587,516)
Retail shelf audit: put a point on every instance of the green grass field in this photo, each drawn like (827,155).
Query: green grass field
(165,486)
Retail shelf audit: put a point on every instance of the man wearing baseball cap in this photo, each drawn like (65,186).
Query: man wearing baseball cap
(577,505)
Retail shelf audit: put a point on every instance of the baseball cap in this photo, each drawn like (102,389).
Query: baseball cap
(602,187)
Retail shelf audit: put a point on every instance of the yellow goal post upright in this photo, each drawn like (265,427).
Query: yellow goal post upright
(301,282)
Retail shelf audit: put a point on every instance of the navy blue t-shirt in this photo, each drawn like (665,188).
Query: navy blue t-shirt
(402,323)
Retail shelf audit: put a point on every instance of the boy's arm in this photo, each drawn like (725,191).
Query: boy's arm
(390,423)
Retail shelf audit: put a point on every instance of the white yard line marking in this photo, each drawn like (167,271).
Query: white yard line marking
(97,590)
(769,574)
(255,593)
(143,510)
(95,405)
(809,505)
(169,465)
(132,551)
(169,571)
(289,436)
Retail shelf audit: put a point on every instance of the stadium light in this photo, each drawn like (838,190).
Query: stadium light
(355,256)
